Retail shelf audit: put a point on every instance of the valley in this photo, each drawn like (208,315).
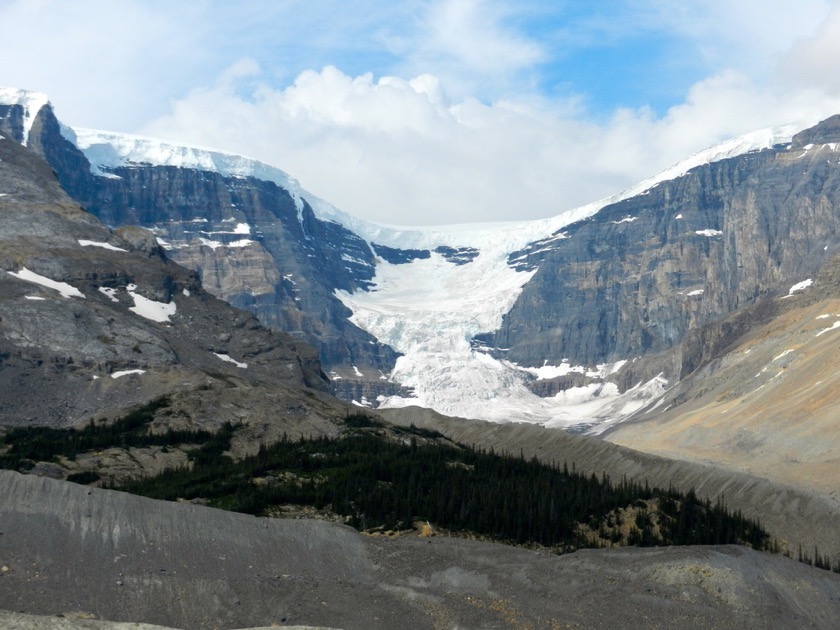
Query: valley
(171,313)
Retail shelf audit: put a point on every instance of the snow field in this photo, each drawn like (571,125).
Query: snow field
(64,289)
(154,311)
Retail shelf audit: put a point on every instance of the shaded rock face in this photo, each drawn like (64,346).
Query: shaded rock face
(249,242)
(634,279)
(80,305)
(11,122)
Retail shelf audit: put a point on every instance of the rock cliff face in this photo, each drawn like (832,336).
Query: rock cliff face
(252,243)
(759,392)
(93,321)
(635,278)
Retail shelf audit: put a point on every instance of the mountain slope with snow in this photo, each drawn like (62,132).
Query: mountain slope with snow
(550,321)
(429,310)
(109,150)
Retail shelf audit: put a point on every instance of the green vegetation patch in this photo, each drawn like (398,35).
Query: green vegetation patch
(374,483)
(24,446)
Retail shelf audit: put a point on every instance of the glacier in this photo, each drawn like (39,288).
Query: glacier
(430,309)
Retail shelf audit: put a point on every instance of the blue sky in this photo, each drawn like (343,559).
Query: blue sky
(435,111)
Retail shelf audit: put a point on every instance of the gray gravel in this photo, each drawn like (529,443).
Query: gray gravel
(71,550)
(20,621)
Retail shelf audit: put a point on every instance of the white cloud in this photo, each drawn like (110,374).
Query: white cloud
(398,151)
(472,45)
(102,60)
(813,61)
(747,35)
(462,129)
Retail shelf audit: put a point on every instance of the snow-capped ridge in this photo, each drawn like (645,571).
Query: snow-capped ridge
(32,102)
(109,150)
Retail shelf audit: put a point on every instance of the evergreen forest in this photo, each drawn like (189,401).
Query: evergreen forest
(378,478)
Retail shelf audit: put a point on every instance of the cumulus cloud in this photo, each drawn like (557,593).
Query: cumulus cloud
(431,111)
(812,61)
(473,140)
(401,151)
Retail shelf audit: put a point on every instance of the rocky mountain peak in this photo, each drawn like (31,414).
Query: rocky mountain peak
(18,111)
(95,321)
(823,133)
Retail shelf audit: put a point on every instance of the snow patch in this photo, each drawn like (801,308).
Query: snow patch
(800,286)
(113,248)
(34,298)
(63,288)
(612,410)
(348,258)
(708,232)
(229,359)
(784,354)
(696,292)
(211,244)
(122,373)
(110,292)
(214,245)
(155,311)
(547,372)
(834,326)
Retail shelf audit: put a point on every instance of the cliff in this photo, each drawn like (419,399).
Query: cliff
(252,243)
(94,321)
(635,278)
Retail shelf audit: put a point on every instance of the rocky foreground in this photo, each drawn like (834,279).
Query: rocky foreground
(83,553)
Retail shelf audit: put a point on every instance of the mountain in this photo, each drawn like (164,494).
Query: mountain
(764,395)
(562,321)
(244,227)
(585,320)
(95,322)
